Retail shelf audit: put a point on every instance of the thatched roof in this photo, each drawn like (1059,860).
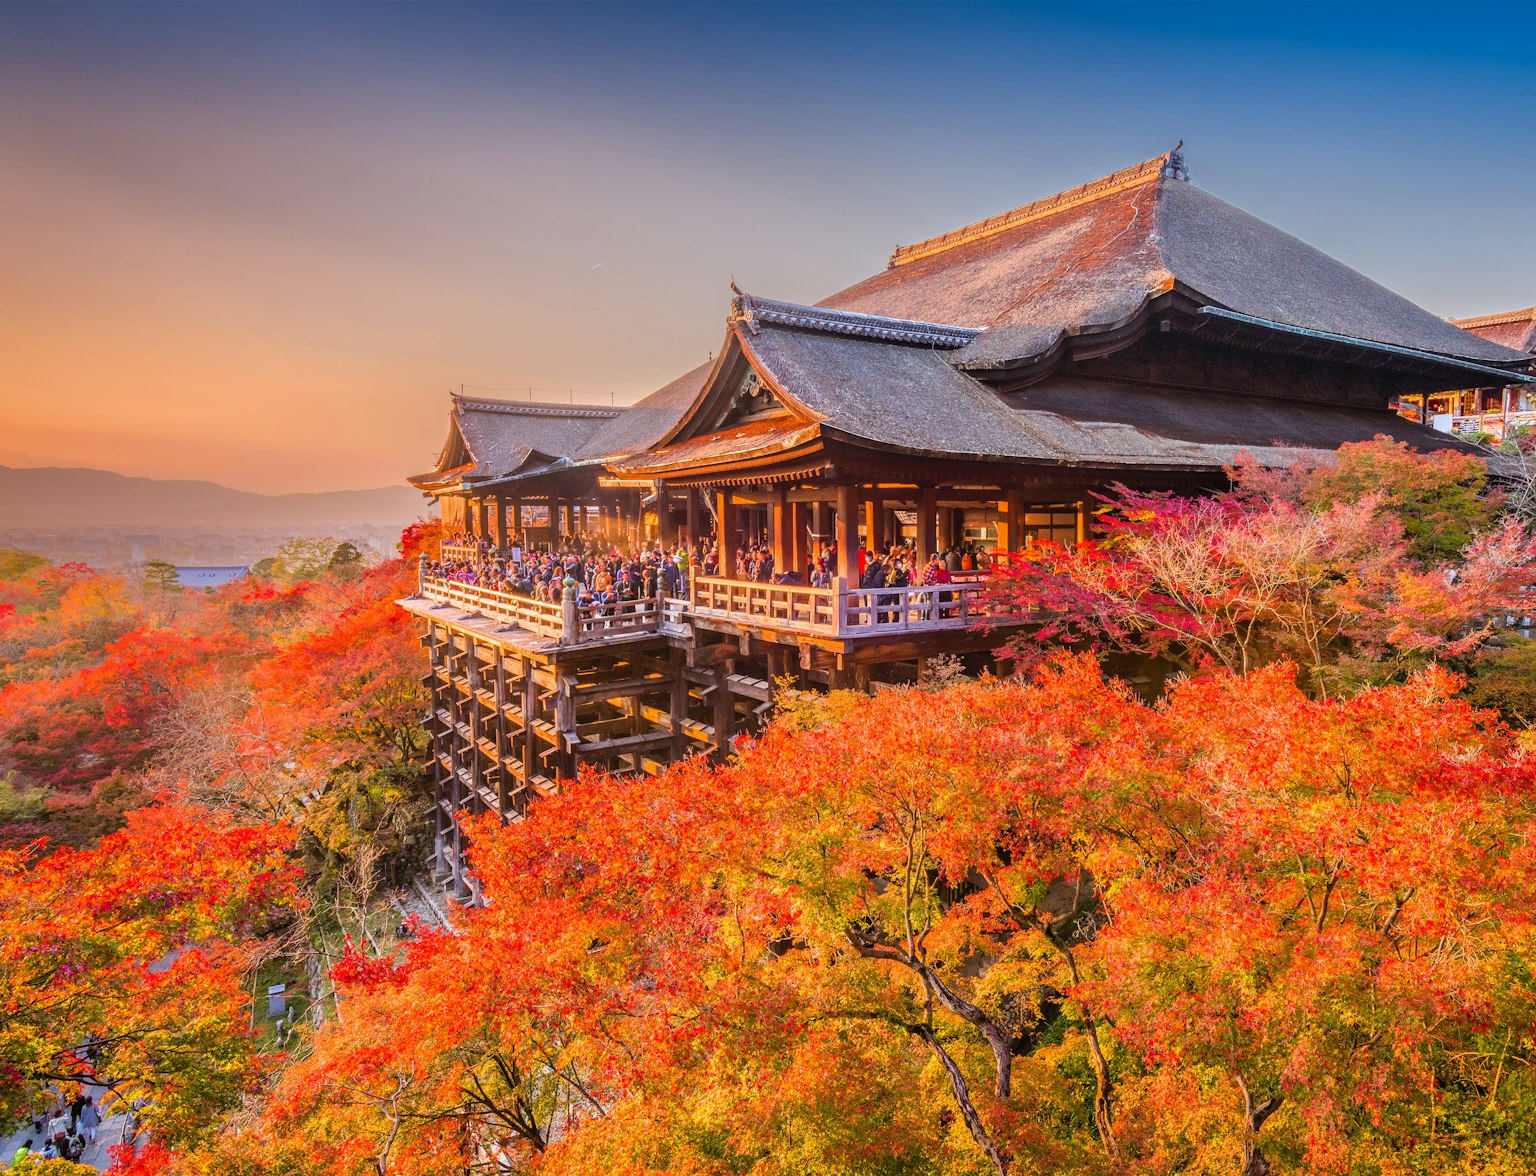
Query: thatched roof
(855,387)
(1088,260)
(489,439)
(1513,328)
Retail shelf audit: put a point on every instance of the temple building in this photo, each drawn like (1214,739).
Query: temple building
(1487,413)
(975,392)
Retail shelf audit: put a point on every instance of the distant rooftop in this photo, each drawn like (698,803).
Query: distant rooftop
(209,577)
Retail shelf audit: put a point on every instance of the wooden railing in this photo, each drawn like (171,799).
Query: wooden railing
(852,612)
(786,606)
(537,616)
(461,551)
(869,611)
(567,622)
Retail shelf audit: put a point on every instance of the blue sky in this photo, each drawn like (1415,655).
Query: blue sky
(227,220)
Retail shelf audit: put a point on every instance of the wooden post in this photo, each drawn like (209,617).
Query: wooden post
(530,712)
(927,522)
(503,799)
(517,521)
(679,700)
(726,538)
(693,517)
(664,529)
(499,521)
(565,724)
(847,535)
(1010,531)
(1082,522)
(799,549)
(874,521)
(724,711)
(783,556)
(568,612)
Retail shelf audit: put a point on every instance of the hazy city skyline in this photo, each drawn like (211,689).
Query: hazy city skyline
(256,243)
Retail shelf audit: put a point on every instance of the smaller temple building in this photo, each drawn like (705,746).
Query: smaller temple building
(1489,413)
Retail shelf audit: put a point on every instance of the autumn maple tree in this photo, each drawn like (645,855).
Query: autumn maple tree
(1358,572)
(999,927)
(124,964)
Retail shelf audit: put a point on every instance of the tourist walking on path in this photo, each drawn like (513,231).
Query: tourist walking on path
(90,1119)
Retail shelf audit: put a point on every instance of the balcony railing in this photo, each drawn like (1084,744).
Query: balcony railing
(852,612)
(1488,424)
(567,622)
(461,551)
(823,612)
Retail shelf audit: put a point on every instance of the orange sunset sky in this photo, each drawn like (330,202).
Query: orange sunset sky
(257,244)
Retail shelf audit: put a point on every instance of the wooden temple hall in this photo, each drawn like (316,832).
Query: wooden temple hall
(977,390)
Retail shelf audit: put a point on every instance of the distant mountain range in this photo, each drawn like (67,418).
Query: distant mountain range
(48,496)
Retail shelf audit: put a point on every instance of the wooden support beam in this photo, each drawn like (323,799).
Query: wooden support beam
(603,689)
(927,523)
(499,520)
(847,535)
(874,521)
(724,712)
(783,542)
(645,742)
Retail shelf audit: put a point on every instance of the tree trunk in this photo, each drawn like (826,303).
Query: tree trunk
(963,1096)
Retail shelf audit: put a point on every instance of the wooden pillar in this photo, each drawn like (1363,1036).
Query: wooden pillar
(679,700)
(693,517)
(724,708)
(927,522)
(517,521)
(664,529)
(726,538)
(874,521)
(499,520)
(1010,530)
(817,516)
(847,534)
(1082,522)
(530,713)
(783,555)
(799,548)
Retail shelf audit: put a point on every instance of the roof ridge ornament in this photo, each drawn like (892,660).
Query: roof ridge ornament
(755,312)
(743,308)
(1173,163)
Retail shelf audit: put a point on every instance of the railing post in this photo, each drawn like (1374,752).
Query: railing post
(568,630)
(421,575)
(840,604)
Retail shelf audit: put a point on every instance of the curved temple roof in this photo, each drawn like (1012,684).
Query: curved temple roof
(1088,260)
(490,438)
(890,361)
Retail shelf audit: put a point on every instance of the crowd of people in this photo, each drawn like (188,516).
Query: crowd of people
(605,572)
(65,1131)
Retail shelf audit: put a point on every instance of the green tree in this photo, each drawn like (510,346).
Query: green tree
(160,576)
(305,558)
(346,561)
(16,564)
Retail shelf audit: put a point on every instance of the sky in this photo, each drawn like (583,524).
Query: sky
(258,244)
